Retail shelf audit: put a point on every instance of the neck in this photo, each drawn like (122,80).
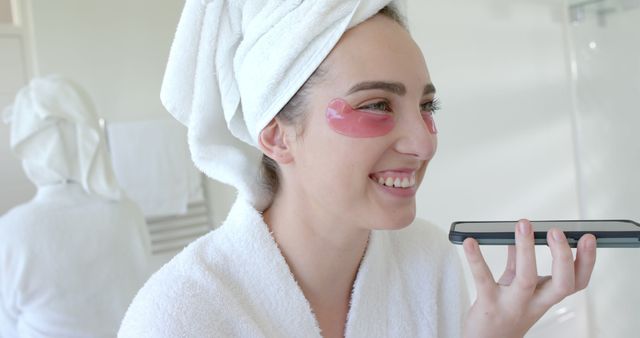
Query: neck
(323,253)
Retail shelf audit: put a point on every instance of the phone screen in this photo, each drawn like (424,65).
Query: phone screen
(543,226)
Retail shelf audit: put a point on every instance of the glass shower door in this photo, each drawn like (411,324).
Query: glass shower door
(604,40)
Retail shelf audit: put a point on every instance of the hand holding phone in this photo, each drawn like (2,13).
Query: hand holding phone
(509,306)
(609,233)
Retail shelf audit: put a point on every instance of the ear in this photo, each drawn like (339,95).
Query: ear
(273,142)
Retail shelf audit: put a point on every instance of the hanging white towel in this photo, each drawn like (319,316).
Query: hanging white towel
(234,282)
(151,162)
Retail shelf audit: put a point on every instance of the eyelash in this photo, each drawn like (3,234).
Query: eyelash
(372,106)
(431,106)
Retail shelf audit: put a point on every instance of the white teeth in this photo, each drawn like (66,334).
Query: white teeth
(389,182)
(397,182)
(405,183)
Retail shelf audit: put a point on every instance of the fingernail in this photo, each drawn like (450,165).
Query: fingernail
(590,245)
(470,248)
(556,235)
(524,227)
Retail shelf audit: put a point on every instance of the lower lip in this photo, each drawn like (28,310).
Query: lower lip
(398,192)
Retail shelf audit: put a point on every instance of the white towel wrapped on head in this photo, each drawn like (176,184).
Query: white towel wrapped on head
(55,132)
(234,64)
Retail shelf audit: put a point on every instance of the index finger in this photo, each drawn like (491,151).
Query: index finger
(485,284)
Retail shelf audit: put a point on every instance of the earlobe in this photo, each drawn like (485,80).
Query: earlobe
(273,142)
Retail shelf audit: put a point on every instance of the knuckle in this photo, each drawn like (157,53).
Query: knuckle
(555,299)
(562,291)
(581,286)
(551,301)
(567,290)
(527,283)
(565,255)
(484,281)
(476,259)
(491,302)
(510,271)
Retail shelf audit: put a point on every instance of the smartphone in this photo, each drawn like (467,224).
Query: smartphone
(609,233)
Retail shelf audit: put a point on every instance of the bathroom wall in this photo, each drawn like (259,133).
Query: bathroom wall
(116,49)
(16,67)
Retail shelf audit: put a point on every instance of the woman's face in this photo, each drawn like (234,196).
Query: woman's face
(377,68)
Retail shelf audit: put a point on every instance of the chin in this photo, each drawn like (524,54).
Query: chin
(395,221)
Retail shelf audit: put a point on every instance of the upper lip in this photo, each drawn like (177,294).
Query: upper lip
(397,170)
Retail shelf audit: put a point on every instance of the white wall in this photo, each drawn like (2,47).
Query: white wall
(505,140)
(16,67)
(116,49)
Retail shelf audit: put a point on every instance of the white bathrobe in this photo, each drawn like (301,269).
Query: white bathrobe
(234,282)
(70,264)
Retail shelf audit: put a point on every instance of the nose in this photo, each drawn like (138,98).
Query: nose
(414,137)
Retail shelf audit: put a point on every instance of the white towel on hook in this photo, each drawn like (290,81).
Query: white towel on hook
(234,64)
(151,162)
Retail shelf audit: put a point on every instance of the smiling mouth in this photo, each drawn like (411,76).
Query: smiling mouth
(400,180)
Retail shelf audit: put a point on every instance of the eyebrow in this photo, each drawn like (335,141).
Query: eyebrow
(393,87)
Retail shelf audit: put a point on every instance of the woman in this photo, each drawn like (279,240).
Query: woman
(72,257)
(311,256)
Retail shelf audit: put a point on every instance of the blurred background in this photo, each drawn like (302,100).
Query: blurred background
(540,121)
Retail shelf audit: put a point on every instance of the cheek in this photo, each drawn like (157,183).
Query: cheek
(345,120)
(339,167)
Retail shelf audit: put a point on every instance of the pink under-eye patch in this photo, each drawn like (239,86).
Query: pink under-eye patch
(431,124)
(345,120)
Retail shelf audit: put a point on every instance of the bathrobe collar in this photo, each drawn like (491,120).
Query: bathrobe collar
(371,291)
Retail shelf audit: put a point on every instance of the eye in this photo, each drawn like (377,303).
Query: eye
(378,106)
(430,107)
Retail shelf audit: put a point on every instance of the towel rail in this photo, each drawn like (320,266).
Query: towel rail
(170,234)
